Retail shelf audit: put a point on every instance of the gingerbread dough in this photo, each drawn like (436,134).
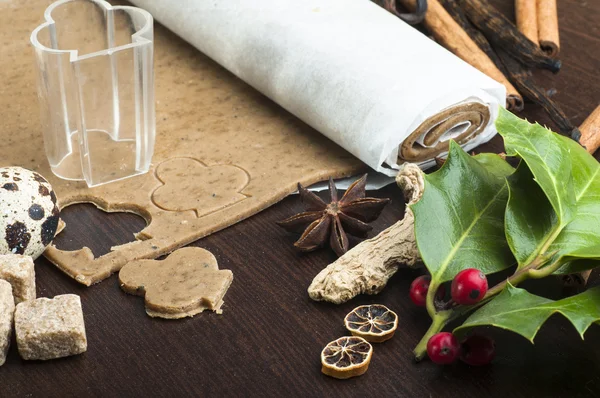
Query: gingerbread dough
(223,151)
(186,283)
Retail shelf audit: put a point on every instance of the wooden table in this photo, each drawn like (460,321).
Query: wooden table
(268,340)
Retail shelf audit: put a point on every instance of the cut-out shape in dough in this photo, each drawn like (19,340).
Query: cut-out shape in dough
(122,225)
(184,284)
(191,185)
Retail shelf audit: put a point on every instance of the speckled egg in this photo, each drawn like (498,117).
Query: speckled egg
(28,212)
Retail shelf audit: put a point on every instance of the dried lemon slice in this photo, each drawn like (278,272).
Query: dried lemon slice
(375,323)
(346,357)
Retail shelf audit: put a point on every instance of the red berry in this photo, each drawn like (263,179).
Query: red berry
(443,348)
(441,293)
(469,286)
(478,350)
(418,290)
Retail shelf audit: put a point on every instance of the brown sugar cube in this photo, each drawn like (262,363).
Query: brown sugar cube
(50,328)
(19,271)
(7,309)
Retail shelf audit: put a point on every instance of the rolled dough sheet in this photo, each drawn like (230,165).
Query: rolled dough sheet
(223,151)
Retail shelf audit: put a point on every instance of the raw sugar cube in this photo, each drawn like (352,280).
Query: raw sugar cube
(7,309)
(19,271)
(50,328)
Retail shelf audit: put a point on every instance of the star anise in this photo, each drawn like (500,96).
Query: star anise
(322,221)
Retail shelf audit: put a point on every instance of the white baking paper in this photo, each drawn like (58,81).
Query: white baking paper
(348,68)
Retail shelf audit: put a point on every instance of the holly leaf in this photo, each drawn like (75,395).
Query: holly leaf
(521,312)
(494,164)
(547,158)
(561,218)
(581,237)
(530,219)
(459,221)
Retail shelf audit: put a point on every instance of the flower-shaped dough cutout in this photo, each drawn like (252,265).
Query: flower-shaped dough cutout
(189,184)
(184,284)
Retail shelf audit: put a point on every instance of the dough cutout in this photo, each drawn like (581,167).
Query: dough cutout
(184,284)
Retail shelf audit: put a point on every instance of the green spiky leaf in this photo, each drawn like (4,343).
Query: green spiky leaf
(546,157)
(530,219)
(554,201)
(459,221)
(521,312)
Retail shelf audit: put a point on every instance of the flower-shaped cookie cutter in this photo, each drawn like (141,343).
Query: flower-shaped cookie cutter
(96,89)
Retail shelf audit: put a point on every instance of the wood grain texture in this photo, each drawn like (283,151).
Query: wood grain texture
(268,340)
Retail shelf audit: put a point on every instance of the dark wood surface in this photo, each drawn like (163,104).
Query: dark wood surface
(268,340)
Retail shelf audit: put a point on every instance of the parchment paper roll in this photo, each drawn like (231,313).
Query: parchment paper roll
(354,72)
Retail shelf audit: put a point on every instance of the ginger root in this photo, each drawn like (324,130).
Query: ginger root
(366,268)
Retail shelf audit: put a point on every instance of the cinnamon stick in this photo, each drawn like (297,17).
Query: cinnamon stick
(527,18)
(520,76)
(547,22)
(590,131)
(514,100)
(504,34)
(448,33)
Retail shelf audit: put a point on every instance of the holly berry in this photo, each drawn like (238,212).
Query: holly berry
(478,350)
(469,286)
(443,348)
(419,288)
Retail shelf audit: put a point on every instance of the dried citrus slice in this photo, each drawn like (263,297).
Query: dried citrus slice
(346,357)
(375,323)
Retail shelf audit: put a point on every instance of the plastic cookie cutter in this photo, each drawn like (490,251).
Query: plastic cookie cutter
(96,89)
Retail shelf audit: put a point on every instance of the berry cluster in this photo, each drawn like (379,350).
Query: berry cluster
(468,287)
